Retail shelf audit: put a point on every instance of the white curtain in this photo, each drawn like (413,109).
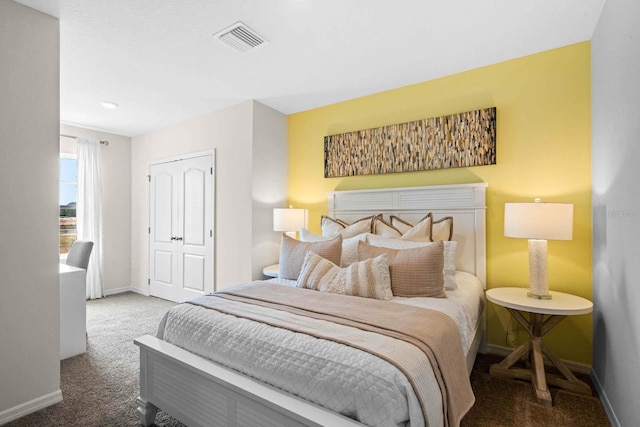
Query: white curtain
(89,211)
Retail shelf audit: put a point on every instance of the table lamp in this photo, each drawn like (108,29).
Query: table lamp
(538,222)
(289,220)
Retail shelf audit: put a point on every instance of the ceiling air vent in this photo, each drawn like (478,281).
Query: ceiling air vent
(240,37)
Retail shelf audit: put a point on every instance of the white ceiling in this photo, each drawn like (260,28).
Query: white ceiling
(159,61)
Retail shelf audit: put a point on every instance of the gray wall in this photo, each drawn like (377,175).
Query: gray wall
(29,287)
(269,188)
(616,209)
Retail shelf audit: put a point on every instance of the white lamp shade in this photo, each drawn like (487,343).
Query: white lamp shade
(548,221)
(289,219)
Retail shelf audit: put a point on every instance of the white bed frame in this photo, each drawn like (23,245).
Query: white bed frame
(199,392)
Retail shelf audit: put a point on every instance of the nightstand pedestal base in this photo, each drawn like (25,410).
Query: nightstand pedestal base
(534,350)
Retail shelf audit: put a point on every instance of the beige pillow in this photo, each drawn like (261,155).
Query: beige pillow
(332,227)
(292,254)
(442,229)
(413,232)
(416,272)
(384,229)
(369,278)
(349,246)
(450,283)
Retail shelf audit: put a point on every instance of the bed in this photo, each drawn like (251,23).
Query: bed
(198,391)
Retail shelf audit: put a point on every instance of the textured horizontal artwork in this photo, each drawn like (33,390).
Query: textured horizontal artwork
(454,141)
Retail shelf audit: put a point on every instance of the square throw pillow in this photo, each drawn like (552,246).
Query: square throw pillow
(384,229)
(442,229)
(292,254)
(332,227)
(416,272)
(450,283)
(349,245)
(410,232)
(369,278)
(400,224)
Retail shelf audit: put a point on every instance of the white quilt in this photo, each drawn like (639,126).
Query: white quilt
(338,377)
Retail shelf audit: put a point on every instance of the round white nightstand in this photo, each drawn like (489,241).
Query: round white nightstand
(557,308)
(271,270)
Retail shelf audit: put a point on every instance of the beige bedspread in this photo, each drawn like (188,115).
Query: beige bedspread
(434,333)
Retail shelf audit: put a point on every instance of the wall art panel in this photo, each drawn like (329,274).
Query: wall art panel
(453,141)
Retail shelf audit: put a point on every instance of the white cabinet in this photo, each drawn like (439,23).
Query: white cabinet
(73,311)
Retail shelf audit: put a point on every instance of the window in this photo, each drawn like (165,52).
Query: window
(68,198)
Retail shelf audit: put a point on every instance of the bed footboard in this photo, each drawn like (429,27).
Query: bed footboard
(199,392)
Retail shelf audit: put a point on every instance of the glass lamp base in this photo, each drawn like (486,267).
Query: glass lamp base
(532,295)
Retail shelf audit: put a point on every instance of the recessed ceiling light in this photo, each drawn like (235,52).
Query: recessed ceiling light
(109,105)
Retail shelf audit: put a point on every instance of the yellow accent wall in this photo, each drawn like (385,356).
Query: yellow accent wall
(543,150)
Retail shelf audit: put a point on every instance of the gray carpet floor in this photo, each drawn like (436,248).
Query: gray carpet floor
(100,387)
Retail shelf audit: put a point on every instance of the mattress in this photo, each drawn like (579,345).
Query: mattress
(338,377)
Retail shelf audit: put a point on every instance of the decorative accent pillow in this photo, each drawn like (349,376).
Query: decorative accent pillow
(332,227)
(349,246)
(292,253)
(413,232)
(450,247)
(416,272)
(384,229)
(442,229)
(369,278)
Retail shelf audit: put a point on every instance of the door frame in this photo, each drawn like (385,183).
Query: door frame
(178,157)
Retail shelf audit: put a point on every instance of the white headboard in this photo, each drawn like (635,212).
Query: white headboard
(464,202)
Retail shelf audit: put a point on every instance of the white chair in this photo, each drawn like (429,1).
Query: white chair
(79,253)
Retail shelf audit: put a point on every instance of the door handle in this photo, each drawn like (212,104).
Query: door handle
(178,238)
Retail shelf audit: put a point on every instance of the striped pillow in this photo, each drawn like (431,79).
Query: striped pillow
(292,253)
(369,278)
(416,272)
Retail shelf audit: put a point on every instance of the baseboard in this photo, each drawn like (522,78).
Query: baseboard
(580,368)
(126,289)
(30,407)
(604,400)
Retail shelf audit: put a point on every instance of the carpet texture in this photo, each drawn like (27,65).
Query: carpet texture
(100,387)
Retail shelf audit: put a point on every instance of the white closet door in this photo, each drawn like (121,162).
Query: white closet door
(163,220)
(181,228)
(195,218)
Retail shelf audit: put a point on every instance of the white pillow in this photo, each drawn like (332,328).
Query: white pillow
(442,229)
(332,227)
(413,232)
(349,246)
(384,229)
(369,278)
(449,254)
